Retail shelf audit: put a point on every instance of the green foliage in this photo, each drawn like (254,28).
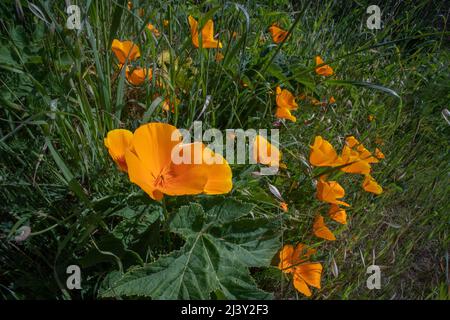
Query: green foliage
(60,93)
(220,245)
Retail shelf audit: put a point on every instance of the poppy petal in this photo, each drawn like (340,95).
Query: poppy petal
(118,141)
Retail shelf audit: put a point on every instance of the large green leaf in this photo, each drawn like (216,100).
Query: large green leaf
(220,246)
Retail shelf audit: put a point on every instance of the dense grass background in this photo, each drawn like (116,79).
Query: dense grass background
(60,94)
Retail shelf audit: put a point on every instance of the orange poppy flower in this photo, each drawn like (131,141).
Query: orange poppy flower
(305,275)
(285,99)
(284,206)
(332,100)
(324,70)
(125,49)
(370,185)
(323,154)
(290,257)
(152,166)
(353,163)
(153,30)
(379,154)
(337,214)
(283,113)
(265,153)
(168,105)
(371,117)
(321,230)
(296,261)
(137,75)
(117,142)
(165,23)
(208,41)
(278,34)
(364,154)
(330,191)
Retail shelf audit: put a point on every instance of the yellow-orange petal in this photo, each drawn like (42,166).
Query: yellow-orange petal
(286,258)
(323,154)
(301,285)
(370,185)
(153,144)
(337,214)
(193,24)
(284,206)
(283,113)
(321,230)
(117,142)
(379,154)
(208,41)
(125,49)
(330,192)
(285,99)
(324,70)
(208,36)
(310,273)
(137,75)
(219,173)
(278,34)
(332,100)
(140,174)
(353,162)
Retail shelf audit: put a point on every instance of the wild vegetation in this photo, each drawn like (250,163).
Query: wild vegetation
(365,108)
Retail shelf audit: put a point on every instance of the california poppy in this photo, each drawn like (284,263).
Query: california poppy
(153,29)
(283,113)
(324,70)
(321,230)
(352,162)
(278,34)
(125,49)
(337,214)
(330,191)
(284,206)
(370,185)
(323,154)
(137,75)
(364,154)
(152,165)
(208,41)
(165,22)
(117,142)
(332,100)
(290,257)
(305,273)
(379,154)
(285,101)
(265,153)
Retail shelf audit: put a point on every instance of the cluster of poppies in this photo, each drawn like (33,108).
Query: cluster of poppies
(354,158)
(147,155)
